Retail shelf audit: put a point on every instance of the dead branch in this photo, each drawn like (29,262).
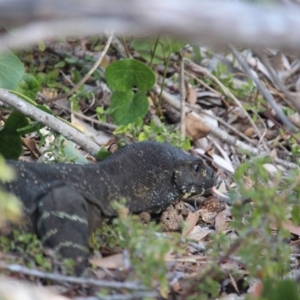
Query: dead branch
(195,20)
(63,128)
(71,279)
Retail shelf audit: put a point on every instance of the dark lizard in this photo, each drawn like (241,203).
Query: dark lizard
(66,202)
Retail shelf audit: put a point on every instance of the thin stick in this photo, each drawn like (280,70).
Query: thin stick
(182,97)
(71,279)
(63,128)
(228,93)
(291,99)
(87,75)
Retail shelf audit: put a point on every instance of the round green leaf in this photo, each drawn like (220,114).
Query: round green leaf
(11,71)
(126,107)
(128,73)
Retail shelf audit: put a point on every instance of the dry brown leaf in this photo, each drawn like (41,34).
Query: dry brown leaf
(105,62)
(31,145)
(192,95)
(291,227)
(195,128)
(48,92)
(222,220)
(249,132)
(207,216)
(190,223)
(176,286)
(256,289)
(233,282)
(199,233)
(115,261)
(230,266)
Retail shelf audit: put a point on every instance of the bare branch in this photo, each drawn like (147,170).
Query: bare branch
(182,97)
(71,279)
(63,128)
(219,21)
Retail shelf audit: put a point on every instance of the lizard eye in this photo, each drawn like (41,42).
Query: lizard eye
(197,168)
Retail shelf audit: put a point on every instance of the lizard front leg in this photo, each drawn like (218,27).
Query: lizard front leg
(62,224)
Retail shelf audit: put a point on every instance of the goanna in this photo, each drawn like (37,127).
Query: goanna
(65,203)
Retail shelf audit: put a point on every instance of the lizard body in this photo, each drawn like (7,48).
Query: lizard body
(66,202)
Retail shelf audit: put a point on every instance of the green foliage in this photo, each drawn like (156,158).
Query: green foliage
(30,247)
(227,78)
(32,253)
(285,289)
(50,79)
(62,150)
(146,246)
(156,51)
(159,133)
(103,153)
(11,71)
(259,203)
(10,140)
(123,76)
(253,182)
(10,206)
(12,77)
(28,86)
(126,107)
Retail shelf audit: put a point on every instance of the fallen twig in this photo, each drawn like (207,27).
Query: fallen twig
(247,24)
(182,97)
(71,279)
(54,123)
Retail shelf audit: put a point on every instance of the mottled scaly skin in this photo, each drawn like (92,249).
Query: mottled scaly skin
(65,202)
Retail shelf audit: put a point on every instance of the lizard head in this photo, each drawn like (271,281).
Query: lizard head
(193,177)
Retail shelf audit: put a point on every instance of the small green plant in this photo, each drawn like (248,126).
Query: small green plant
(159,133)
(63,151)
(30,247)
(259,205)
(147,247)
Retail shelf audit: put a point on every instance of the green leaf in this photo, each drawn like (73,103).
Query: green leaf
(128,73)
(71,152)
(163,48)
(11,71)
(28,86)
(10,144)
(15,121)
(34,126)
(145,47)
(103,153)
(285,289)
(171,45)
(10,140)
(126,107)
(60,64)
